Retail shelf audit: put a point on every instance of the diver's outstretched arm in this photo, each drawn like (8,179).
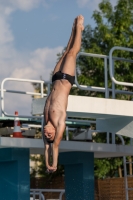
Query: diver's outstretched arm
(59,134)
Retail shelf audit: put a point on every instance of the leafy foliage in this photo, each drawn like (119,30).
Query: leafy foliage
(113,28)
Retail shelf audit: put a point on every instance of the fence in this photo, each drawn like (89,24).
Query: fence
(39,193)
(106,189)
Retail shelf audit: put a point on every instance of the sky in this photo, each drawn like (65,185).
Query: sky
(32,32)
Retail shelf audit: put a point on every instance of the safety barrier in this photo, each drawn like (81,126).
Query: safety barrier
(106,90)
(34,195)
(39,193)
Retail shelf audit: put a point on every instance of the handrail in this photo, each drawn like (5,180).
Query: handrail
(39,194)
(125,168)
(92,88)
(111,68)
(82,87)
(20,80)
(105,57)
(37,191)
(23,92)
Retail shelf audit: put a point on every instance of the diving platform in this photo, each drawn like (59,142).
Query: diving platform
(90,107)
(110,115)
(101,150)
(99,108)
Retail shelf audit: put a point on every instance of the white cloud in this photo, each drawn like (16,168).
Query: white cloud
(39,63)
(25,5)
(5,32)
(25,65)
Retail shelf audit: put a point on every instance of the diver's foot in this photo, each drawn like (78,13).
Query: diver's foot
(80,22)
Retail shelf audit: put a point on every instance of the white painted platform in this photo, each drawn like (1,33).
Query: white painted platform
(119,125)
(112,115)
(100,150)
(90,107)
(81,106)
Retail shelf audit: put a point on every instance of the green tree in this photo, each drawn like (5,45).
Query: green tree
(113,28)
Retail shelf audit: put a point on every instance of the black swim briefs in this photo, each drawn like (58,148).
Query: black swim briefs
(59,75)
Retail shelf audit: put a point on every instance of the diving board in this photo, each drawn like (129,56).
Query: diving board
(90,107)
(93,107)
(112,115)
(101,150)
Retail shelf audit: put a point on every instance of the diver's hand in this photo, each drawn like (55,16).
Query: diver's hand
(51,169)
(54,168)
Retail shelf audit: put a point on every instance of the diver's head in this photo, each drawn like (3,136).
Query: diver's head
(49,133)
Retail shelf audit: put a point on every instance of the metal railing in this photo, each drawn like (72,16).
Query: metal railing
(20,92)
(111,59)
(38,192)
(105,89)
(93,88)
(38,195)
(111,68)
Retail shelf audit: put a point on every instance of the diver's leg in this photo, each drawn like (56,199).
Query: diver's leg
(69,64)
(69,45)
